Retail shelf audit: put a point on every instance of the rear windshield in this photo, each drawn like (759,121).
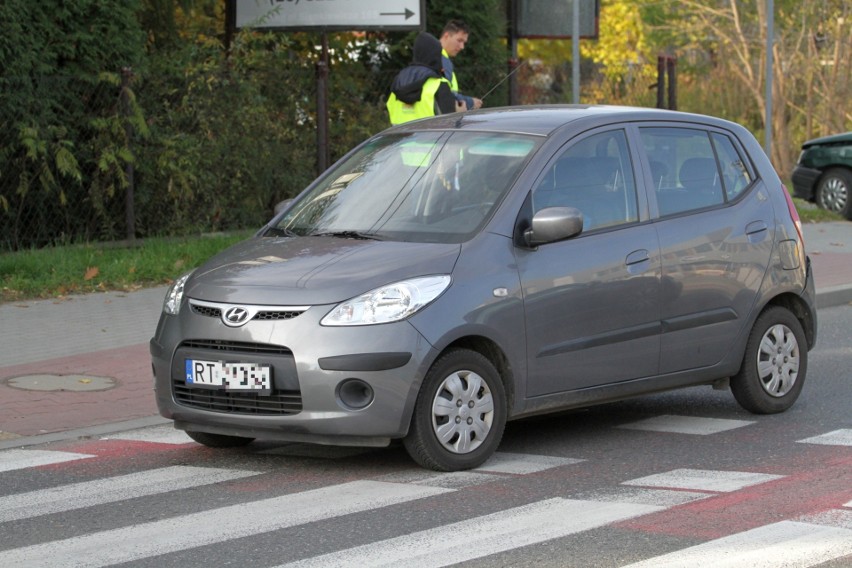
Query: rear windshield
(423,187)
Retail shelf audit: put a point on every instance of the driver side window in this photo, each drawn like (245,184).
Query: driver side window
(594,175)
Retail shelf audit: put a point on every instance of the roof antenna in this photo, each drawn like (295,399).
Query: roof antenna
(500,82)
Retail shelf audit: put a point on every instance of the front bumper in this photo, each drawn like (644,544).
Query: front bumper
(309,362)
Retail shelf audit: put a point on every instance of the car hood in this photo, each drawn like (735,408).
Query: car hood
(833,139)
(313,270)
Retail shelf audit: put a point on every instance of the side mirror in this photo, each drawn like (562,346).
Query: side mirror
(554,224)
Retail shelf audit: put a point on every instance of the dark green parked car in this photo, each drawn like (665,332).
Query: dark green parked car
(824,173)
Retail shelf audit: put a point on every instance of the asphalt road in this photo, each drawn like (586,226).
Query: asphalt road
(678,479)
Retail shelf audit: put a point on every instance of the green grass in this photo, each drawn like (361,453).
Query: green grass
(78,269)
(810,213)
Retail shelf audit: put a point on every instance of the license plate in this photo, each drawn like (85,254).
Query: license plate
(230,376)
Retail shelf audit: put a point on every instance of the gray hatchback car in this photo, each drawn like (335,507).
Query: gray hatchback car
(454,273)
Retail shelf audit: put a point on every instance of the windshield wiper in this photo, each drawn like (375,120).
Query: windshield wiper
(348,235)
(279,232)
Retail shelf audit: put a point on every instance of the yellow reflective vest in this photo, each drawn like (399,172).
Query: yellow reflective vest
(402,112)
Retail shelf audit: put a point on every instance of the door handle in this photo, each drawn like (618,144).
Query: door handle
(638,261)
(637,256)
(756,231)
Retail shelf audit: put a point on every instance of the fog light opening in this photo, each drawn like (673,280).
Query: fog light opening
(354,394)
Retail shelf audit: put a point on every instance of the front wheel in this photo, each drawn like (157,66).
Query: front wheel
(834,191)
(219,440)
(775,364)
(459,415)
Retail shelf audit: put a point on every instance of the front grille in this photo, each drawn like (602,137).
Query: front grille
(211,311)
(281,402)
(206,311)
(276,315)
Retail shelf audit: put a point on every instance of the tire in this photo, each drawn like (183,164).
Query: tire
(834,191)
(219,440)
(460,413)
(775,364)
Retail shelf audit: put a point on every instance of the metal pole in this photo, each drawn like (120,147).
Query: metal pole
(513,52)
(575,52)
(671,66)
(770,39)
(322,107)
(129,199)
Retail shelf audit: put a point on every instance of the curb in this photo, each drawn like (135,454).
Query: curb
(834,296)
(84,433)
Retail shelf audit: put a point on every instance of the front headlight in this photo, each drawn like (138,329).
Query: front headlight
(389,303)
(171,305)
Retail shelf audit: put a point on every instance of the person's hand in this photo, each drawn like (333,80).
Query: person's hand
(461,106)
(477,103)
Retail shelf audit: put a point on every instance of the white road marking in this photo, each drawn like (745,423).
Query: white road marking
(779,545)
(20,459)
(704,480)
(452,480)
(218,525)
(111,490)
(165,434)
(482,536)
(686,424)
(840,518)
(644,496)
(842,437)
(503,462)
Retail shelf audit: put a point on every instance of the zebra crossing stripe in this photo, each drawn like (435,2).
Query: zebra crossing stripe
(11,460)
(482,536)
(704,480)
(779,545)
(842,437)
(218,525)
(111,490)
(165,434)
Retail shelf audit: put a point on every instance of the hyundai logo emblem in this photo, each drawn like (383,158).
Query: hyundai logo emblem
(235,316)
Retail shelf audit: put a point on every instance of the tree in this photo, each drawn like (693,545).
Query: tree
(59,73)
(735,32)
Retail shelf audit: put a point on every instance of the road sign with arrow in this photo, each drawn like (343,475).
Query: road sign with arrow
(331,14)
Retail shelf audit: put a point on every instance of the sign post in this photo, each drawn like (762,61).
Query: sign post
(324,16)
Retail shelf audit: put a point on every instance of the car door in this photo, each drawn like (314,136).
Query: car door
(715,228)
(592,301)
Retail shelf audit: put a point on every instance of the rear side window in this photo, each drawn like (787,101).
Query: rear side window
(594,175)
(735,175)
(683,168)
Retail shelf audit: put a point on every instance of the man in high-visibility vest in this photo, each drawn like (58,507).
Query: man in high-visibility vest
(420,90)
(453,39)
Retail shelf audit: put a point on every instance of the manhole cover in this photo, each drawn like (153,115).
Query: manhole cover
(76,383)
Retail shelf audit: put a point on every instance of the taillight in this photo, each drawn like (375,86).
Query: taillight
(794,215)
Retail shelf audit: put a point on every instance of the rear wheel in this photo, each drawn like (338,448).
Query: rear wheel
(833,191)
(459,415)
(775,363)
(219,440)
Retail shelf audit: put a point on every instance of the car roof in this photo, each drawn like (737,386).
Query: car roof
(543,120)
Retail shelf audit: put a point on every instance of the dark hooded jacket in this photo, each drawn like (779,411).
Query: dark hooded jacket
(426,64)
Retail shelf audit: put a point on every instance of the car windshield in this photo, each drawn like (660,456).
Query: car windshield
(422,187)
